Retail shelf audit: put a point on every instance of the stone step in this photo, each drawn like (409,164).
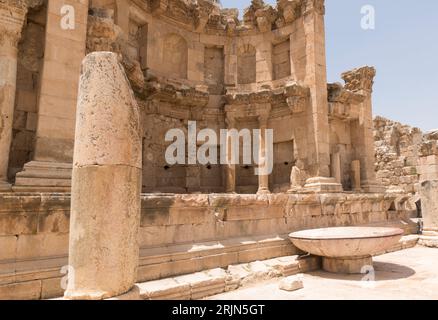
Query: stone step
(210,282)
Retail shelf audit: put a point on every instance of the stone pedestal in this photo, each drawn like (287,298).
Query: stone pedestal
(322,185)
(12,18)
(346,265)
(106,183)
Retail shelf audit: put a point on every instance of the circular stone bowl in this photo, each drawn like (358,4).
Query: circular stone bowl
(346,249)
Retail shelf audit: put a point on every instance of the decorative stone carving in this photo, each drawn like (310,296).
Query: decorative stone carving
(104,35)
(297,97)
(290,9)
(361,79)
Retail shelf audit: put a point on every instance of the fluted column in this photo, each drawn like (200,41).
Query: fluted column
(12,18)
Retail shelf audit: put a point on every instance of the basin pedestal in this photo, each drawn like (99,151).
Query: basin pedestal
(346,265)
(346,249)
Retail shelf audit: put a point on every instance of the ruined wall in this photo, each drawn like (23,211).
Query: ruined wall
(30,60)
(397,154)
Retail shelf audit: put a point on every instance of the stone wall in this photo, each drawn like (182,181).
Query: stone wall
(30,59)
(397,154)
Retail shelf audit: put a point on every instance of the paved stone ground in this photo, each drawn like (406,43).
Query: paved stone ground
(406,274)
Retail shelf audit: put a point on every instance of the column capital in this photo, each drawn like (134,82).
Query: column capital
(360,80)
(12,18)
(317,6)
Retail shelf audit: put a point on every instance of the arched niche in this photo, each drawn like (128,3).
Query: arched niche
(175,56)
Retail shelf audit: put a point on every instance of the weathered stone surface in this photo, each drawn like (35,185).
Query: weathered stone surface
(292,283)
(429,204)
(106,183)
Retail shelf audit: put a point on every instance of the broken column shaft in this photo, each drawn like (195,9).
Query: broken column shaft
(106,183)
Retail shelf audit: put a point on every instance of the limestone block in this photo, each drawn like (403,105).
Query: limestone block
(292,283)
(165,289)
(30,290)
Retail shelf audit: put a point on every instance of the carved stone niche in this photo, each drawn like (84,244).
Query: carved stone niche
(297,97)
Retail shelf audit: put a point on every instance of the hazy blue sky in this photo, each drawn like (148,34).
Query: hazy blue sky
(403,48)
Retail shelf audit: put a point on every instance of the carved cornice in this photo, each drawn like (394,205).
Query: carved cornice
(12,18)
(361,79)
(181,96)
(264,96)
(292,98)
(207,16)
(193,13)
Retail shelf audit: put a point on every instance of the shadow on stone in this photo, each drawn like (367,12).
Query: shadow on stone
(384,271)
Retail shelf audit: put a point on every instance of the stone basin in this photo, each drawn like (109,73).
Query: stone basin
(346,249)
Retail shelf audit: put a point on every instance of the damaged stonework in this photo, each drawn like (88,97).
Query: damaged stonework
(106,182)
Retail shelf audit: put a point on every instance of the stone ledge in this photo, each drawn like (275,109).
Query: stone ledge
(210,282)
(428,241)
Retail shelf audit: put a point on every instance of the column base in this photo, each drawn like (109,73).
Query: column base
(346,265)
(428,241)
(263,191)
(39,176)
(5,186)
(323,185)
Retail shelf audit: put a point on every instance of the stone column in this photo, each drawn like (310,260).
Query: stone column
(230,168)
(361,81)
(106,183)
(51,166)
(12,17)
(316,80)
(263,178)
(336,166)
(355,176)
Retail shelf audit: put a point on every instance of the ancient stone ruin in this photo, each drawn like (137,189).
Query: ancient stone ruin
(84,112)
